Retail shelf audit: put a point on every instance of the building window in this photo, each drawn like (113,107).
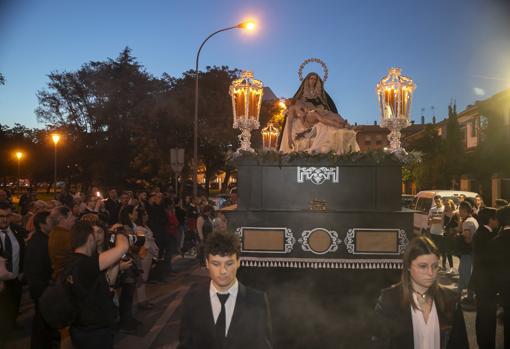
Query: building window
(474,130)
(368,142)
(378,142)
(463,131)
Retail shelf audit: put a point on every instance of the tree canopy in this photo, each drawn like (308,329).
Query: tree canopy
(123,121)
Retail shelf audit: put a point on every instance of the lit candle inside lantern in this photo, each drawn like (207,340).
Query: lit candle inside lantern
(239,103)
(254,104)
(270,137)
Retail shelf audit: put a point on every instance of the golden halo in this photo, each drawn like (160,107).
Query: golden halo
(316,60)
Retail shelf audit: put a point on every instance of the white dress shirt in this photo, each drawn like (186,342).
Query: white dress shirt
(437,213)
(426,334)
(15,250)
(230,304)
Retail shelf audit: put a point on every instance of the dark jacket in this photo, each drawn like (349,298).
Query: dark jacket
(394,325)
(157,219)
(499,249)
(250,327)
(37,264)
(20,234)
(113,208)
(480,277)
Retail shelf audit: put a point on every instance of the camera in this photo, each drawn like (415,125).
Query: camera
(133,239)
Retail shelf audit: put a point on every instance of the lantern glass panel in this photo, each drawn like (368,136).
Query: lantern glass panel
(239,103)
(254,105)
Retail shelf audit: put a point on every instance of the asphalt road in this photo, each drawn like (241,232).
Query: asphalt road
(160,325)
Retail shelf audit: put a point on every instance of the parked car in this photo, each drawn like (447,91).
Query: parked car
(422,203)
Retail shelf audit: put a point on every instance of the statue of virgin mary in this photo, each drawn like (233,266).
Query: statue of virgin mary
(312,123)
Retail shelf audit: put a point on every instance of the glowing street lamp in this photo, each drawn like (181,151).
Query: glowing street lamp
(56,138)
(395,93)
(248,25)
(19,156)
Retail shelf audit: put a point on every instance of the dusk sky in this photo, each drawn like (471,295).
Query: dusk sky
(450,48)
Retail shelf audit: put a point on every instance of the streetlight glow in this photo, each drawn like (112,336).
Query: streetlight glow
(249,25)
(56,138)
(19,155)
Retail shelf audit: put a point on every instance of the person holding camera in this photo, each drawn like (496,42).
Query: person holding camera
(89,287)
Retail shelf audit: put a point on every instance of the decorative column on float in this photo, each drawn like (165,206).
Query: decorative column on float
(270,137)
(246,93)
(395,94)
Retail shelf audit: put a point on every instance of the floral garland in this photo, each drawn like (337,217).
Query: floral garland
(378,157)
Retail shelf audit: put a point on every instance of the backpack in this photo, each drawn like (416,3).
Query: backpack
(57,304)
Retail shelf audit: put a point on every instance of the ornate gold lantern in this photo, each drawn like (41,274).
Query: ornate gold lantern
(246,93)
(395,93)
(270,137)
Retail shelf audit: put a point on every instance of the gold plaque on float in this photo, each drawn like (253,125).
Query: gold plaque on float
(319,241)
(263,239)
(377,241)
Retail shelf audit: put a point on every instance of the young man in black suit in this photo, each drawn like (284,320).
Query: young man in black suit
(499,248)
(224,314)
(480,278)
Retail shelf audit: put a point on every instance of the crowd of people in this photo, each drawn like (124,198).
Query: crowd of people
(478,236)
(105,249)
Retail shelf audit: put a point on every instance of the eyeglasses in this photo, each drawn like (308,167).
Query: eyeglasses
(424,267)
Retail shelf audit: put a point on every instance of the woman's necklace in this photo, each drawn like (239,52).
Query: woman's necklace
(422,297)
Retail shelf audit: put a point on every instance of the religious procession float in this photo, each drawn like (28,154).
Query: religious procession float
(321,224)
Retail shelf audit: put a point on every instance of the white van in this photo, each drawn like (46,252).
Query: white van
(423,201)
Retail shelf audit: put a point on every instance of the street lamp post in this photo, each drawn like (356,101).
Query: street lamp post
(56,138)
(19,155)
(244,25)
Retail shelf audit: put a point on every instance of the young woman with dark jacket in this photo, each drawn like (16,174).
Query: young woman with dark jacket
(418,312)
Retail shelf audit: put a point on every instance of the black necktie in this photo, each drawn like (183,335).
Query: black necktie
(221,323)
(7,250)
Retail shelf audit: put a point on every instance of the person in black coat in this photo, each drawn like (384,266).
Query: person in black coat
(480,279)
(38,273)
(224,314)
(418,312)
(12,248)
(112,205)
(499,249)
